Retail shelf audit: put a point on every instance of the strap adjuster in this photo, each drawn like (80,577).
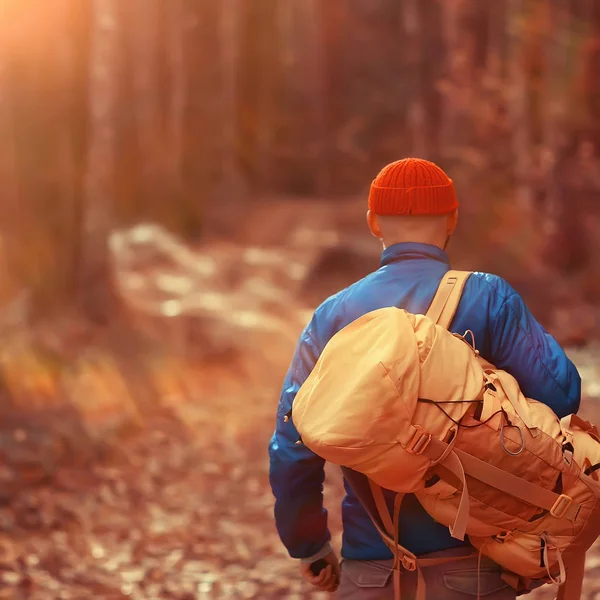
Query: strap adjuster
(502,536)
(560,507)
(410,564)
(420,440)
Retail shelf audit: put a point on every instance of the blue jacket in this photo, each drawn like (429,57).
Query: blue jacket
(505,333)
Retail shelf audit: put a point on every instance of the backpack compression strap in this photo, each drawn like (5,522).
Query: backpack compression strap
(446,299)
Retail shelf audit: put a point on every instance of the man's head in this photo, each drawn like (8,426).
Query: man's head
(412,200)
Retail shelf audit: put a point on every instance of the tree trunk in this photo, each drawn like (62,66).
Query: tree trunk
(496,37)
(67,164)
(146,101)
(8,166)
(229,28)
(178,90)
(451,35)
(96,292)
(267,109)
(301,127)
(311,42)
(12,215)
(411,45)
(555,104)
(519,108)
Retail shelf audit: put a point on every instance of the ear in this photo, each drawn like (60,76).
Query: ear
(373,224)
(452,221)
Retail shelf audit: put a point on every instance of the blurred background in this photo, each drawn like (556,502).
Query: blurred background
(182,183)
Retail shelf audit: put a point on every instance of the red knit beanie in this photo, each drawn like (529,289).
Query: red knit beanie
(412,186)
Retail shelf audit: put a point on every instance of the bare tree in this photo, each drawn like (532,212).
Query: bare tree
(451,35)
(300,37)
(229,29)
(12,215)
(177,30)
(416,110)
(265,98)
(308,20)
(95,287)
(66,151)
(555,105)
(519,106)
(320,75)
(149,130)
(8,166)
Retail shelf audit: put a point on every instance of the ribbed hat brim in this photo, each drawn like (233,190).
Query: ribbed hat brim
(416,200)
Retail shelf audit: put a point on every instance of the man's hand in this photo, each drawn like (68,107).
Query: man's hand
(328,579)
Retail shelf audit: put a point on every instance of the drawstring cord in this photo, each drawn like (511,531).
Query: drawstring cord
(480,554)
(559,559)
(471,344)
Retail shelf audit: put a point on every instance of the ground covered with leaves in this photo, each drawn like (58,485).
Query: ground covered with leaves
(177,505)
(178,512)
(182,510)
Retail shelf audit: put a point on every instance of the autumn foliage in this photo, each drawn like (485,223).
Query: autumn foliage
(246,133)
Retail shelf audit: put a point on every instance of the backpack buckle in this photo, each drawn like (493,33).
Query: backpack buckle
(502,536)
(420,440)
(410,564)
(559,510)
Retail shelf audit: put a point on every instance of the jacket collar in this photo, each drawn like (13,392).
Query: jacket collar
(412,251)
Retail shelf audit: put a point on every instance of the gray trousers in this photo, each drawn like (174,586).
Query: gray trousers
(456,580)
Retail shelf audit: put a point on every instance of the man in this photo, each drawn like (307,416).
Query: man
(413,211)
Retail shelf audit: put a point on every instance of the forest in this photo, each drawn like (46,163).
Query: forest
(182,182)
(116,112)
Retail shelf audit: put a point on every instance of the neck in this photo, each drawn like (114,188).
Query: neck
(426,229)
(442,244)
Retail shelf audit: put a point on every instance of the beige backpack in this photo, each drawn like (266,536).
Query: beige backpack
(397,397)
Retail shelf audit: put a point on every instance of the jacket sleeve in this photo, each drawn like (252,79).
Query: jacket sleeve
(296,473)
(523,348)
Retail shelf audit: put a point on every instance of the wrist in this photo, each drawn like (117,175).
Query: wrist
(322,553)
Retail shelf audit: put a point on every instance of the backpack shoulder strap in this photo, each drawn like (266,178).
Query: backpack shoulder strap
(446,299)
